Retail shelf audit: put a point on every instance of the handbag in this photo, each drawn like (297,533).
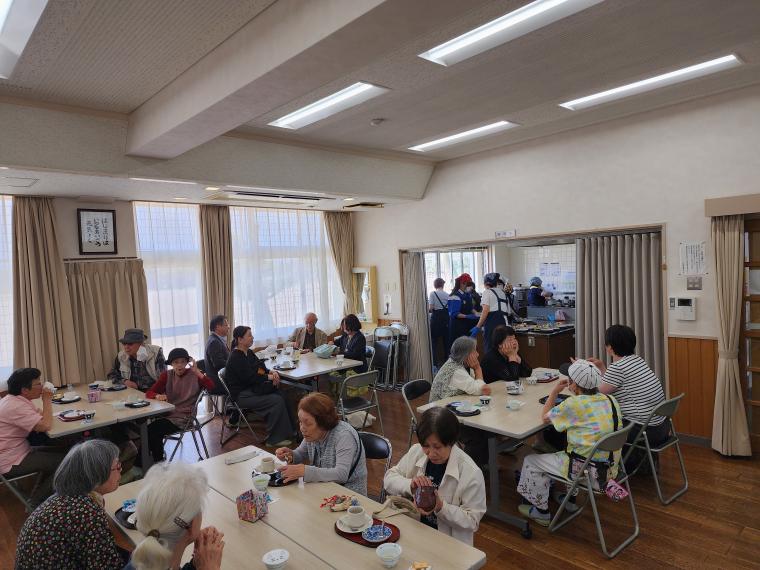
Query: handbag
(324,350)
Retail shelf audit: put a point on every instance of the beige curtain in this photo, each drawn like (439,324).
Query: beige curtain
(416,316)
(619,281)
(730,431)
(43,328)
(340,234)
(216,252)
(107,297)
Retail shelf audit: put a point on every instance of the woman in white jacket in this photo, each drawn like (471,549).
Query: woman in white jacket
(439,462)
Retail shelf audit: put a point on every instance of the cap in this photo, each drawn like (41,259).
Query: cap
(176,353)
(583,373)
(133,335)
(491,279)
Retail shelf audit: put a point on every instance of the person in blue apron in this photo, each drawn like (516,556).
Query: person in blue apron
(494,303)
(438,307)
(536,293)
(461,311)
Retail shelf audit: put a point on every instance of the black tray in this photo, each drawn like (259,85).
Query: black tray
(454,409)
(122,516)
(65,402)
(143,404)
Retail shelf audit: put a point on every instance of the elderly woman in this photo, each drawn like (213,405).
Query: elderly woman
(169,514)
(454,377)
(437,461)
(352,342)
(180,386)
(586,416)
(332,447)
(255,389)
(503,361)
(70,530)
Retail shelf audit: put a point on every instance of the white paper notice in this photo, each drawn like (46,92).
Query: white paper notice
(692,257)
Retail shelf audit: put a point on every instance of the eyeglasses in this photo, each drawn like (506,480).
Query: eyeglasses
(118,466)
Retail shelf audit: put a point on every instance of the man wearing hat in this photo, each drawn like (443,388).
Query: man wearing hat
(587,416)
(180,385)
(138,364)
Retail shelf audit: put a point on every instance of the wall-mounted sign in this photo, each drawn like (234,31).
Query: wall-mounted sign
(97,232)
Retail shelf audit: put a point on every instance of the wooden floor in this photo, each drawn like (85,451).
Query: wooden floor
(715,525)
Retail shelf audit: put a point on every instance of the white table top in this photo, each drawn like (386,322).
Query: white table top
(311,365)
(499,419)
(245,543)
(297,514)
(104,413)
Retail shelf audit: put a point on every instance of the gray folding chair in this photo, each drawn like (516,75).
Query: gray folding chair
(411,391)
(377,447)
(229,402)
(668,409)
(611,442)
(193,426)
(349,405)
(11,483)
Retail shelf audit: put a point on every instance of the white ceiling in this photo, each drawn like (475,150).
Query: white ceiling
(90,188)
(116,55)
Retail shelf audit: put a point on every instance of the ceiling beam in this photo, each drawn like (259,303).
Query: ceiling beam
(286,52)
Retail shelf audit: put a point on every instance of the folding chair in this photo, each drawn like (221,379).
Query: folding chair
(384,346)
(668,409)
(193,426)
(231,403)
(11,482)
(609,443)
(377,447)
(349,405)
(411,391)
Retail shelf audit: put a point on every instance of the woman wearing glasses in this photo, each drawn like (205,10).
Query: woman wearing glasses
(70,530)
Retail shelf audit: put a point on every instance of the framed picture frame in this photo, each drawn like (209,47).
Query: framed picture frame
(97,231)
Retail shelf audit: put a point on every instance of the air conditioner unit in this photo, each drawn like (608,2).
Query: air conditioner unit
(266,197)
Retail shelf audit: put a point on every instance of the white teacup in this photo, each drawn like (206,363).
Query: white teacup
(355,516)
(339,359)
(532,380)
(485,400)
(514,404)
(132,398)
(389,554)
(118,405)
(466,407)
(266,465)
(261,482)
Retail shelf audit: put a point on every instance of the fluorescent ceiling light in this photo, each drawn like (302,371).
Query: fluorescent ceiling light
(349,199)
(330,105)
(671,78)
(3,168)
(522,21)
(178,198)
(160,180)
(465,136)
(212,187)
(17,22)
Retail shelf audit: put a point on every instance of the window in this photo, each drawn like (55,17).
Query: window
(168,240)
(451,264)
(282,269)
(6,284)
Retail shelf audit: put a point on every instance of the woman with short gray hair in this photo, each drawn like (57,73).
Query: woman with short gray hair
(454,377)
(70,530)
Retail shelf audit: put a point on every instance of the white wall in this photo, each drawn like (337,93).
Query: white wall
(656,167)
(68,233)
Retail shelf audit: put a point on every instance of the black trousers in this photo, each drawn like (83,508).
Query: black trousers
(156,432)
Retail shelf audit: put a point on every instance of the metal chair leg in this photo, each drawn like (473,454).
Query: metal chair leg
(682,490)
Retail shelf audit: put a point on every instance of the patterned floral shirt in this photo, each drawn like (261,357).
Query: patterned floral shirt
(586,419)
(67,533)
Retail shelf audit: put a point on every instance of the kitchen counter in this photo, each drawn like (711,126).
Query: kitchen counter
(561,329)
(547,348)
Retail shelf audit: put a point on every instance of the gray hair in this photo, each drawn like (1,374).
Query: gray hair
(461,349)
(85,468)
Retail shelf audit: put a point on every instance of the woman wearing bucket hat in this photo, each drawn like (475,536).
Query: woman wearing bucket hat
(179,385)
(586,416)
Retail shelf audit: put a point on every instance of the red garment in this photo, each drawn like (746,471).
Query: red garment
(160,386)
(465,278)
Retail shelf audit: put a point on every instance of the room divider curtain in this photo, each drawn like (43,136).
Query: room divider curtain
(216,251)
(730,434)
(340,235)
(619,281)
(107,297)
(43,324)
(415,315)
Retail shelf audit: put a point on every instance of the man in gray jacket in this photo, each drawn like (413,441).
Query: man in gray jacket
(308,337)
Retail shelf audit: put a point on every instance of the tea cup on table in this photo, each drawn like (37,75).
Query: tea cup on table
(514,405)
(261,482)
(466,407)
(485,401)
(389,554)
(339,359)
(266,465)
(93,396)
(118,404)
(132,398)
(531,380)
(355,516)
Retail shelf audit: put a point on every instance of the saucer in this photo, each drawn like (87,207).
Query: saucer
(342,526)
(377,533)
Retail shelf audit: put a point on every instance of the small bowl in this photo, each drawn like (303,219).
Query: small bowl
(515,405)
(261,482)
(276,559)
(389,554)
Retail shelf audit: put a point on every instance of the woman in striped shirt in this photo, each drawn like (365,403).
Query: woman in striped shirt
(635,386)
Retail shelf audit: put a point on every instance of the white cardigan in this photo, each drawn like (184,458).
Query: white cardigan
(462,490)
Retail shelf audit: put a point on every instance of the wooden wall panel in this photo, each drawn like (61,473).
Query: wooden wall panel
(692,367)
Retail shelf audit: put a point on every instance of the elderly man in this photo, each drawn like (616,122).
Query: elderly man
(138,364)
(308,337)
(217,351)
(18,419)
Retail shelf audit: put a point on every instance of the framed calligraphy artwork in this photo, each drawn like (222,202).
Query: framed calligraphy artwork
(97,232)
